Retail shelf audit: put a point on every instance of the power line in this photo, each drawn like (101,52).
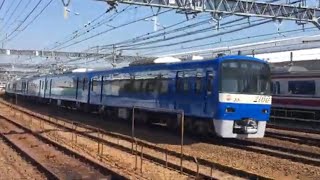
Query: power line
(5,14)
(103,32)
(83,28)
(19,15)
(2,4)
(159,33)
(22,21)
(103,22)
(198,39)
(202,30)
(8,20)
(238,39)
(45,7)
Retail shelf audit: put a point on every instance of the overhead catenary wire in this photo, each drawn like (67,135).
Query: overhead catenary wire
(26,26)
(161,32)
(132,42)
(233,40)
(197,39)
(103,32)
(3,1)
(20,14)
(11,15)
(202,30)
(22,22)
(84,28)
(95,26)
(10,6)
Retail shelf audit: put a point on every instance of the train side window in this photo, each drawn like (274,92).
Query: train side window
(92,83)
(210,78)
(137,85)
(151,85)
(185,84)
(277,87)
(301,87)
(85,84)
(96,84)
(163,86)
(180,81)
(198,83)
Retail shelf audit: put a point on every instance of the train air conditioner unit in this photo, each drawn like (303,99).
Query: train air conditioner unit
(160,60)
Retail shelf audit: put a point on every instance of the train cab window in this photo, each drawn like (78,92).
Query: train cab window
(301,87)
(210,77)
(198,83)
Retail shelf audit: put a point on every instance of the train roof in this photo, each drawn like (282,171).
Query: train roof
(174,65)
(294,71)
(159,66)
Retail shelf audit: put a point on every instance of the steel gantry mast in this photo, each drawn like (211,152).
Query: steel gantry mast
(298,12)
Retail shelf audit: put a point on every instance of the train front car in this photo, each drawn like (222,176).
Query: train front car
(244,98)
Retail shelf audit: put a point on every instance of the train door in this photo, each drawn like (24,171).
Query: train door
(50,87)
(27,87)
(45,88)
(90,83)
(208,100)
(80,89)
(77,87)
(178,89)
(40,83)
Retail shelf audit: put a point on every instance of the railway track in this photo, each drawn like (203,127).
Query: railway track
(311,141)
(192,166)
(294,129)
(48,174)
(51,158)
(275,151)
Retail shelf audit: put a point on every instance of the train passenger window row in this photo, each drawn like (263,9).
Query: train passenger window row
(155,83)
(184,79)
(301,87)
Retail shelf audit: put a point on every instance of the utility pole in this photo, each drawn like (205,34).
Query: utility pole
(291,58)
(2,46)
(114,53)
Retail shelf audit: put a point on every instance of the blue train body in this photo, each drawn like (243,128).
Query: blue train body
(229,95)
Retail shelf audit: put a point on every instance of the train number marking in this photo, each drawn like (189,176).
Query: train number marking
(262,99)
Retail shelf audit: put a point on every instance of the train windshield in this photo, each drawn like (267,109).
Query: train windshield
(245,77)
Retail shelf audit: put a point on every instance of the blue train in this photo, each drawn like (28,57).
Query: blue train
(228,95)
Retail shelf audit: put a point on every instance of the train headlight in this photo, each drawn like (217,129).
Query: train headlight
(230,110)
(265,111)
